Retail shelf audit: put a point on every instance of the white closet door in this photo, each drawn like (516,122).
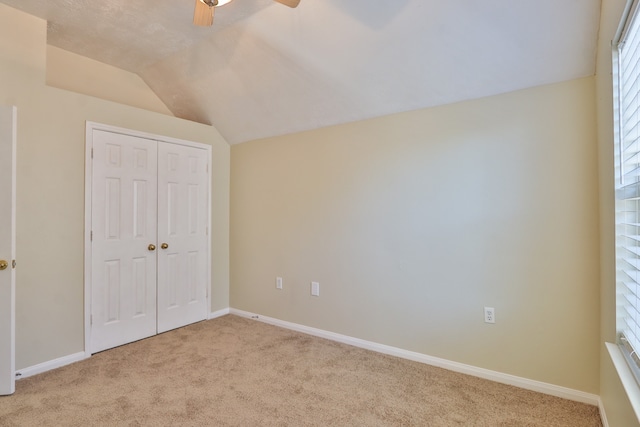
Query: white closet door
(182,234)
(124,225)
(7,248)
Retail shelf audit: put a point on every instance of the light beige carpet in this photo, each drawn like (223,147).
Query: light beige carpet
(233,371)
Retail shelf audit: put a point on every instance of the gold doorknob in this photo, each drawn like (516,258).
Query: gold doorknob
(152,247)
(164,246)
(3,264)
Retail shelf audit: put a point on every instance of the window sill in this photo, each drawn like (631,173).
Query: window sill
(626,377)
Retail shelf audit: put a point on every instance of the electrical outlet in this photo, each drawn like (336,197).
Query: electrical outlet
(315,289)
(278,282)
(489,315)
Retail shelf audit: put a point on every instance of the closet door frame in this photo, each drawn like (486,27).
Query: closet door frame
(90,128)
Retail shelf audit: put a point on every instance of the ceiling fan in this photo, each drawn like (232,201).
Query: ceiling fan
(203,14)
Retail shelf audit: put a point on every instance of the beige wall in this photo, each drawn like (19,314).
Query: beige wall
(50,174)
(69,71)
(616,403)
(413,222)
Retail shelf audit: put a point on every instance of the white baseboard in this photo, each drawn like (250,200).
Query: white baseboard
(603,415)
(66,360)
(218,313)
(51,364)
(541,387)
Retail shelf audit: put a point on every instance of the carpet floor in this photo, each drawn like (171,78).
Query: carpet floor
(233,371)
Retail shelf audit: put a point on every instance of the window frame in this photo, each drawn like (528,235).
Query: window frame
(624,354)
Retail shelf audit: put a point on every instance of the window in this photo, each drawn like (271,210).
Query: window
(626,65)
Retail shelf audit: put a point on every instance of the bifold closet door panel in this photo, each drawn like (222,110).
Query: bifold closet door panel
(183,190)
(124,235)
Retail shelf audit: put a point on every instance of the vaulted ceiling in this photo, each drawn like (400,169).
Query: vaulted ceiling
(264,69)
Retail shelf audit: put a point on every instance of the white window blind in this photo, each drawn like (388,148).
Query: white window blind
(627,162)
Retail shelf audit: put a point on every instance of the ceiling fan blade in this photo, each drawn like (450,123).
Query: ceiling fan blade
(203,14)
(290,3)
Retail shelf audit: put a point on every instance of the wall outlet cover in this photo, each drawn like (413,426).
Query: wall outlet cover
(489,315)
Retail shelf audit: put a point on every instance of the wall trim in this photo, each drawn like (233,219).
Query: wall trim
(603,414)
(51,364)
(218,313)
(541,387)
(527,384)
(77,357)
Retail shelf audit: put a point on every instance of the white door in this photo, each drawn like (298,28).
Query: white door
(7,248)
(124,203)
(182,234)
(149,228)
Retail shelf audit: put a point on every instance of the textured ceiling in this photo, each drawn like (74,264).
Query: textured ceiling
(264,69)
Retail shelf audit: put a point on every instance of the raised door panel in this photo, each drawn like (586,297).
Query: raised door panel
(183,190)
(124,224)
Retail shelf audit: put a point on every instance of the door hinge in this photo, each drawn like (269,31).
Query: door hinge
(91,236)
(91,319)
(92,153)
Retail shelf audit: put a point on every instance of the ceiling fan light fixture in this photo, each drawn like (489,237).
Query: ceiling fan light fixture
(203,14)
(290,3)
(214,3)
(205,10)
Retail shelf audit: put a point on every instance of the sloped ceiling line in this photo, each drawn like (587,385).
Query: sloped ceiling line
(264,69)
